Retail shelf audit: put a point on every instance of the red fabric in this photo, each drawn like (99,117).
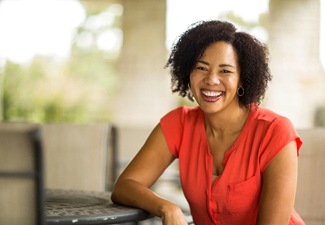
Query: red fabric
(233,197)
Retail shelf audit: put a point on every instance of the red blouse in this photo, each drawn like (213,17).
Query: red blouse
(233,197)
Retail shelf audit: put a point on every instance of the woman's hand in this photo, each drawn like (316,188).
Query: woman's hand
(172,215)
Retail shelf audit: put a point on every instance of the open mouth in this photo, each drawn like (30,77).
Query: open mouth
(212,96)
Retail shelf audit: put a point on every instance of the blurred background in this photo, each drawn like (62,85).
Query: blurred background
(102,62)
(98,61)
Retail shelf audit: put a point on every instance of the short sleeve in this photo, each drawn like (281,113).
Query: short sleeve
(280,133)
(172,126)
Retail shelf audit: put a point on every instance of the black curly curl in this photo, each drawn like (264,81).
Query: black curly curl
(253,58)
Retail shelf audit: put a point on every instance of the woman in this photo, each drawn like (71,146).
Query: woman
(238,161)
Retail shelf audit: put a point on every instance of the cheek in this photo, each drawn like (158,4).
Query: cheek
(194,78)
(233,81)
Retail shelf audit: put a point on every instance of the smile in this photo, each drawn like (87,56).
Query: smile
(212,93)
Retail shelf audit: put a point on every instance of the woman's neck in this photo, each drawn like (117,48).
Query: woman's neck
(227,122)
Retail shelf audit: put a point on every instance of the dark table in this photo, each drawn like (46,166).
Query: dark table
(63,207)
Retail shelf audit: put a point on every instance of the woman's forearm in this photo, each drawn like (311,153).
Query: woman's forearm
(131,193)
(132,187)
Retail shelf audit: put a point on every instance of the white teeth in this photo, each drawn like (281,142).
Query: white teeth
(212,93)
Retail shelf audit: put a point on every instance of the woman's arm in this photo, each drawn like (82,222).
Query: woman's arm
(279,188)
(132,187)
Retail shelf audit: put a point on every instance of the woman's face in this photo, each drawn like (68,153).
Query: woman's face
(215,78)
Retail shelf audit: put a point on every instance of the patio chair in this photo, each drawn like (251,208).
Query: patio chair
(310,197)
(21,176)
(80,156)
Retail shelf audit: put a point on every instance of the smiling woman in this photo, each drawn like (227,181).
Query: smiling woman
(240,157)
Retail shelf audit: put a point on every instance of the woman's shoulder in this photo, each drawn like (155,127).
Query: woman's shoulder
(188,109)
(271,119)
(182,115)
(184,111)
(267,115)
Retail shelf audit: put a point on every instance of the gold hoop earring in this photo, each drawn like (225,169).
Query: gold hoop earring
(190,94)
(240,91)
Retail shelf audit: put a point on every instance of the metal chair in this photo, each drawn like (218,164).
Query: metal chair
(80,156)
(310,196)
(21,176)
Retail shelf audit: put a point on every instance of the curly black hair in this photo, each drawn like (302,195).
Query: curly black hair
(253,58)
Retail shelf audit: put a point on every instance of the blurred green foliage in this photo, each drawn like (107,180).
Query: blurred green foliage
(77,89)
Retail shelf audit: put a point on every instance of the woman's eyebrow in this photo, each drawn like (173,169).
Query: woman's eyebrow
(227,65)
(221,65)
(203,62)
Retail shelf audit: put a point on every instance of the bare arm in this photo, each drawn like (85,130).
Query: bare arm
(279,188)
(132,187)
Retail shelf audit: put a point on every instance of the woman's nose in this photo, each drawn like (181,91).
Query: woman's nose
(212,79)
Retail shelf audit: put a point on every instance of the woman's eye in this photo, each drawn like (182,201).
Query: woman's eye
(225,71)
(201,68)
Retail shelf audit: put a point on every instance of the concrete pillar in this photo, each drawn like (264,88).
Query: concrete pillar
(298,82)
(144,85)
